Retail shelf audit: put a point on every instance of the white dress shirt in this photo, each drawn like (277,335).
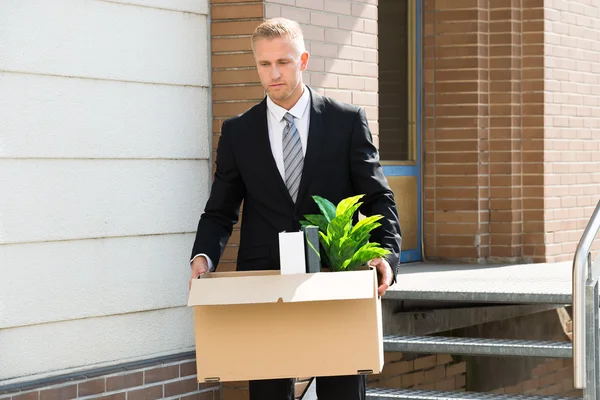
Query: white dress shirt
(276,124)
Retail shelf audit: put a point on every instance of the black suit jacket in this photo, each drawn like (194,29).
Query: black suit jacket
(341,161)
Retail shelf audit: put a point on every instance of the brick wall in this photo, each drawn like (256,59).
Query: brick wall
(341,37)
(235,83)
(512,118)
(532,98)
(484,137)
(239,390)
(572,121)
(430,372)
(455,136)
(553,378)
(174,380)
(504,206)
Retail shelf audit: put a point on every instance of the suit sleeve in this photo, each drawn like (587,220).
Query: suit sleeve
(221,212)
(368,178)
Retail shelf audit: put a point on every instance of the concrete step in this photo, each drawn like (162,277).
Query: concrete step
(411,394)
(477,346)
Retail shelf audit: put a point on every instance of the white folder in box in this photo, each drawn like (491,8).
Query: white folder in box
(291,253)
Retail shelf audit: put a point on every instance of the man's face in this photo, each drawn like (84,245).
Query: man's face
(280,68)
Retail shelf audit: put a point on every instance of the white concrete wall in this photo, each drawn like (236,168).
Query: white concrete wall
(104,170)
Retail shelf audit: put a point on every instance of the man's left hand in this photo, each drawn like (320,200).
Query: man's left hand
(385,274)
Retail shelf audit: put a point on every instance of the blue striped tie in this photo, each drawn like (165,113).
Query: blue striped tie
(293,159)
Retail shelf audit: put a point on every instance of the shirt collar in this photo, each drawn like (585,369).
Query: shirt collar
(297,110)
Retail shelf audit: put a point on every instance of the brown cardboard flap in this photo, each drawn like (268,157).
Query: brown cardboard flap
(239,288)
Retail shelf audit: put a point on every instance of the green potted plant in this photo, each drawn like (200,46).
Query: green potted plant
(345,246)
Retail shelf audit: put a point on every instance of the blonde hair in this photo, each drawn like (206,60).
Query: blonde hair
(284,28)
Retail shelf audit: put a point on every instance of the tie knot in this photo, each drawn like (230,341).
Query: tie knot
(289,118)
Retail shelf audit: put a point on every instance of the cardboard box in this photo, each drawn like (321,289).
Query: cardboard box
(264,325)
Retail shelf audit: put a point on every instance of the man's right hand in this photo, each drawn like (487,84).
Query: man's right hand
(199,267)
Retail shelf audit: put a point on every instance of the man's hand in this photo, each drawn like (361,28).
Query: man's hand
(199,267)
(385,275)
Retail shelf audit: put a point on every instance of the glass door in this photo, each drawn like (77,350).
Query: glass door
(399,114)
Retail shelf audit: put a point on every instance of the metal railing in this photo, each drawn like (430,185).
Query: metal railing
(585,312)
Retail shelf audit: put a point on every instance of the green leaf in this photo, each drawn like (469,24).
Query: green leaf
(361,231)
(335,256)
(367,223)
(327,208)
(347,251)
(340,248)
(325,257)
(349,213)
(369,246)
(365,254)
(318,220)
(324,241)
(317,252)
(339,227)
(362,236)
(346,203)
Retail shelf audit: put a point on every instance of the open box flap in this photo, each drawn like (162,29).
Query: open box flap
(271,288)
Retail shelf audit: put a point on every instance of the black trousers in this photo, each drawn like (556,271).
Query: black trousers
(351,387)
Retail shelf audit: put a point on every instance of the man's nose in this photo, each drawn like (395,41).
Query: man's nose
(275,73)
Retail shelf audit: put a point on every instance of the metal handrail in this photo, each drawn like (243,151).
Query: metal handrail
(579,279)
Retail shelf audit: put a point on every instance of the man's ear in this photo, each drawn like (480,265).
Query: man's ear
(304,61)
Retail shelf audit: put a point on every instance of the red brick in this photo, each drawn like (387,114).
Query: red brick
(447,384)
(161,374)
(65,392)
(124,381)
(237,11)
(93,386)
(202,396)
(456,369)
(224,44)
(189,368)
(116,396)
(392,356)
(460,381)
(146,393)
(233,28)
(234,394)
(27,396)
(435,374)
(412,379)
(397,368)
(181,387)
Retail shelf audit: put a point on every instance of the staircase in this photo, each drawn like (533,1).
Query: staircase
(384,394)
(540,284)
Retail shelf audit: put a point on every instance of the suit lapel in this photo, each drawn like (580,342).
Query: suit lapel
(316,132)
(265,152)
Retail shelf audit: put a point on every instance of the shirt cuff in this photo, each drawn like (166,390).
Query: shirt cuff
(208,260)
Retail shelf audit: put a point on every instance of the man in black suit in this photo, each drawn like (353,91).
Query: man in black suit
(274,157)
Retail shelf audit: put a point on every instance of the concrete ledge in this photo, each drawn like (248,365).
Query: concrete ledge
(547,283)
